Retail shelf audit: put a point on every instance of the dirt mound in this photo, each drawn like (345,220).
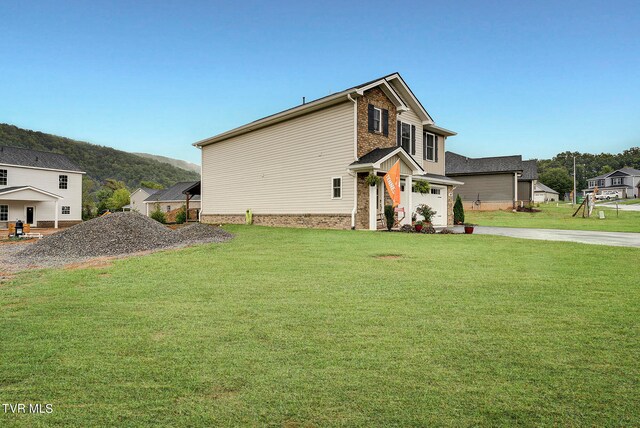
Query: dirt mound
(117,234)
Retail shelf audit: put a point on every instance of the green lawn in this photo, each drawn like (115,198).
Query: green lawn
(286,327)
(629,202)
(559,217)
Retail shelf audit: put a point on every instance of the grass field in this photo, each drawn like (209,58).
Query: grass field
(559,217)
(284,327)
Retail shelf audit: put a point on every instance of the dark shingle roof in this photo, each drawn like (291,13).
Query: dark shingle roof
(149,190)
(34,158)
(173,193)
(456,164)
(374,156)
(630,171)
(529,170)
(543,188)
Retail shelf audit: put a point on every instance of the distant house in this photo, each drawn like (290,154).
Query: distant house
(182,193)
(544,193)
(493,183)
(624,181)
(40,188)
(138,197)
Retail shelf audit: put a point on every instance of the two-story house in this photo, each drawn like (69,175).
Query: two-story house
(308,166)
(42,189)
(623,181)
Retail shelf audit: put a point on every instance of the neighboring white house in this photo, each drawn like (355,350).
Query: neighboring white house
(40,188)
(624,181)
(307,166)
(137,198)
(174,197)
(544,193)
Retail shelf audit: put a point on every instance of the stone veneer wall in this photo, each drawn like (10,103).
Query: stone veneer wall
(319,221)
(450,202)
(362,215)
(368,141)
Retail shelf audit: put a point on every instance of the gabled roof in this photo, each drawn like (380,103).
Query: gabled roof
(36,159)
(627,171)
(543,188)
(375,157)
(149,191)
(173,193)
(529,170)
(392,84)
(16,189)
(456,164)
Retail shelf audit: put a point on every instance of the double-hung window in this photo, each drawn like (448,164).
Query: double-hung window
(63,181)
(336,188)
(429,147)
(66,209)
(4,212)
(3,177)
(601,183)
(592,184)
(616,181)
(377,119)
(405,136)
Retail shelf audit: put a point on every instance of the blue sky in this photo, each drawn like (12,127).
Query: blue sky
(530,78)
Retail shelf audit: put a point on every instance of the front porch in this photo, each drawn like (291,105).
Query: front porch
(29,204)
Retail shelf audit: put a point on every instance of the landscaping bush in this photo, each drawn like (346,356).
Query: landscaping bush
(426,211)
(458,211)
(407,228)
(158,215)
(181,215)
(389,215)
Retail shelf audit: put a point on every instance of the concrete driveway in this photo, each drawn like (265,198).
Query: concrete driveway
(621,207)
(618,239)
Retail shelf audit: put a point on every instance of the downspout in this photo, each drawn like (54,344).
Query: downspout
(355,158)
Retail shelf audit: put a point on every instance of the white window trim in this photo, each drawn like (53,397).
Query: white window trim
(62,210)
(66,182)
(426,146)
(5,205)
(336,178)
(618,179)
(6,177)
(379,129)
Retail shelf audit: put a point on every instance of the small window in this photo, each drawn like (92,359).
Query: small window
(4,212)
(63,181)
(430,147)
(3,177)
(66,210)
(435,191)
(336,188)
(616,181)
(592,184)
(168,208)
(377,119)
(601,183)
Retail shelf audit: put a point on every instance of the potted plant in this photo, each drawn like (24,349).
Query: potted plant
(419,225)
(468,228)
(421,187)
(427,212)
(372,180)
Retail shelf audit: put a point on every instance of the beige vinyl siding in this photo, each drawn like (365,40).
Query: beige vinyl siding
(524,190)
(404,169)
(411,118)
(286,168)
(494,187)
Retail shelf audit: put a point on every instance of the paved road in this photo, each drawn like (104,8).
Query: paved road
(618,239)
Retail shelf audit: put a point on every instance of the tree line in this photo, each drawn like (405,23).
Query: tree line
(557,172)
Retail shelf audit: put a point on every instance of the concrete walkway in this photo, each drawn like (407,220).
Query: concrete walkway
(618,239)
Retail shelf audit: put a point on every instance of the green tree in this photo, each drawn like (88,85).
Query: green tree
(558,179)
(158,215)
(181,215)
(118,199)
(606,170)
(151,185)
(88,199)
(458,211)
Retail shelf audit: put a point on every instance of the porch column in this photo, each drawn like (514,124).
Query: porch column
(55,217)
(373,207)
(187,208)
(408,185)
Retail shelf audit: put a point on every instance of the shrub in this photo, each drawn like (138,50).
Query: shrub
(426,211)
(458,211)
(407,228)
(389,215)
(181,215)
(372,180)
(421,187)
(158,215)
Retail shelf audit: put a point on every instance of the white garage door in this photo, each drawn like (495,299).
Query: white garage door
(437,200)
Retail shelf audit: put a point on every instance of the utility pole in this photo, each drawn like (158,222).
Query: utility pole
(575,198)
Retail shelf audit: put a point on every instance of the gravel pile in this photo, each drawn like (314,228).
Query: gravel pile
(115,234)
(199,232)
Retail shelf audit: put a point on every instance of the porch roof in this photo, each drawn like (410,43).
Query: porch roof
(27,193)
(376,157)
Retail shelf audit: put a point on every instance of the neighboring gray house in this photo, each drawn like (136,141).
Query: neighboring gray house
(306,166)
(493,183)
(42,189)
(174,197)
(545,194)
(625,181)
(138,197)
